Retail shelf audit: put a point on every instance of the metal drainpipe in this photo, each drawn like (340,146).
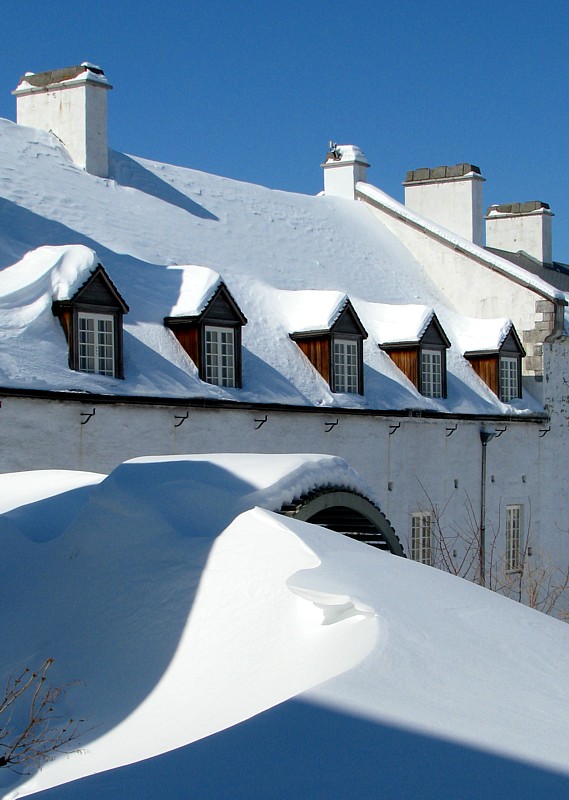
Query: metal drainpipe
(485,436)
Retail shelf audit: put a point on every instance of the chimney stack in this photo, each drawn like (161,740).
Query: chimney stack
(72,104)
(521,226)
(450,196)
(344,166)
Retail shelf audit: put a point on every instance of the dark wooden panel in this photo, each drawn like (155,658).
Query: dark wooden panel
(487,368)
(65,319)
(317,351)
(408,362)
(188,338)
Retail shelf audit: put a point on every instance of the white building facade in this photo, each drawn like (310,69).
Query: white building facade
(247,353)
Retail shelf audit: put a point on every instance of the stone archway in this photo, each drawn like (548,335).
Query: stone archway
(347,512)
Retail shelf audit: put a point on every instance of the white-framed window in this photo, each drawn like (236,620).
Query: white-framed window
(96,343)
(508,378)
(431,373)
(346,367)
(421,534)
(513,538)
(219,356)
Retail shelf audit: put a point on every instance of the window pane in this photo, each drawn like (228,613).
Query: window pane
(513,538)
(96,343)
(421,537)
(220,356)
(345,366)
(508,379)
(431,373)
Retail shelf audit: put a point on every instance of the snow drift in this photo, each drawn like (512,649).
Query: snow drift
(184,606)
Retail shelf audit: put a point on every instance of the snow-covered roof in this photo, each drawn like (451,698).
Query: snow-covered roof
(288,260)
(180,606)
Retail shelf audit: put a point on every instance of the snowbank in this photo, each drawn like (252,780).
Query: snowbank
(179,623)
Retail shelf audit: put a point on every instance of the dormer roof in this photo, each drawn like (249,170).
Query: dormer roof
(488,337)
(202,294)
(98,289)
(408,326)
(311,313)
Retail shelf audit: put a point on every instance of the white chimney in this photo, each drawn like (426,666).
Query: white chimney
(521,226)
(72,104)
(343,166)
(450,196)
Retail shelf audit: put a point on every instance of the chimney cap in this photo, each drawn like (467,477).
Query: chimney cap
(441,173)
(346,154)
(84,72)
(516,209)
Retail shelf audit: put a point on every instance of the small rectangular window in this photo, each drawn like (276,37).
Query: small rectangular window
(220,356)
(346,367)
(508,379)
(513,538)
(431,373)
(421,549)
(96,343)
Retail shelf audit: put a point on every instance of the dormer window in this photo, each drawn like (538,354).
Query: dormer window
(432,373)
(212,336)
(501,368)
(423,359)
(219,345)
(336,352)
(509,378)
(96,339)
(92,321)
(346,367)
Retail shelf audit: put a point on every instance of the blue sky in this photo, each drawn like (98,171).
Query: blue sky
(255,90)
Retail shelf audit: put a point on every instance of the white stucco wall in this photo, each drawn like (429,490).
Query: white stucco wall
(407,471)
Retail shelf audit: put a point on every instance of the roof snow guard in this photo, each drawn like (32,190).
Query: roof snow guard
(440,173)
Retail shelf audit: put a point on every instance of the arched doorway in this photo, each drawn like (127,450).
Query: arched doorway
(345,511)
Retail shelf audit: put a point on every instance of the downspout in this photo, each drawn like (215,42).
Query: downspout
(558,333)
(486,435)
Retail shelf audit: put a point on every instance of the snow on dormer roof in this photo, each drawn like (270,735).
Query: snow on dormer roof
(55,273)
(309,311)
(198,286)
(397,324)
(482,335)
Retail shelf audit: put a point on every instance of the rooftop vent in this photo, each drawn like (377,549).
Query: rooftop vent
(344,166)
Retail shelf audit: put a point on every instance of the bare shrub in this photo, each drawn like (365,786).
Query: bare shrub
(31,730)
